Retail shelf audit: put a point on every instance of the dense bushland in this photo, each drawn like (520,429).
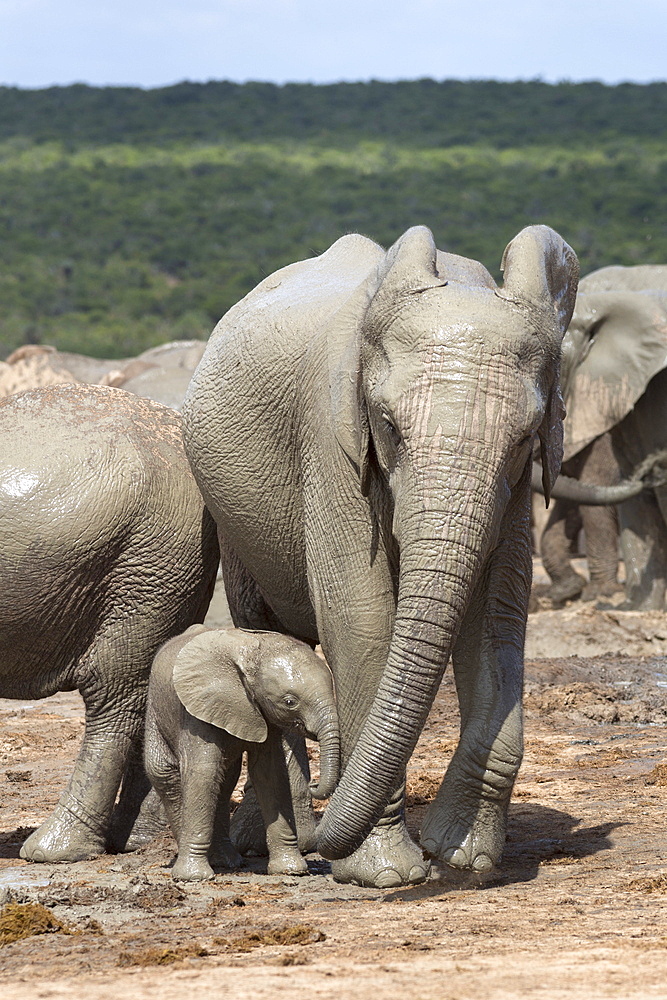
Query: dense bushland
(131,217)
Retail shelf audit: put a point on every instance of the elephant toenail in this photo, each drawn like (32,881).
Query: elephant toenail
(455,857)
(482,863)
(418,874)
(388,878)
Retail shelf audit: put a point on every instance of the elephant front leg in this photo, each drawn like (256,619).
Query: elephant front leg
(466,824)
(267,768)
(388,857)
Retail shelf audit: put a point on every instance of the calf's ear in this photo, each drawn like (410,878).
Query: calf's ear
(208,680)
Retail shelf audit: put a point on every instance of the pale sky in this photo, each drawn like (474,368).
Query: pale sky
(158,42)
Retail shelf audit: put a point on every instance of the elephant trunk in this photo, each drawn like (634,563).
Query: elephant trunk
(439,564)
(589,494)
(329,739)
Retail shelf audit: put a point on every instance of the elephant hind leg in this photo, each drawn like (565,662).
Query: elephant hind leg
(223,854)
(164,773)
(562,526)
(78,827)
(112,680)
(138,815)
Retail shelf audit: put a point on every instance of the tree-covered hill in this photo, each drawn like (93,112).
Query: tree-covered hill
(422,112)
(130,217)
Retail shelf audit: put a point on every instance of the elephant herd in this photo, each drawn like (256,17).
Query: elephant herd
(355,450)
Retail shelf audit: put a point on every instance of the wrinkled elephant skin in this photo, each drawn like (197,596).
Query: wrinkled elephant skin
(106,551)
(614,358)
(361,426)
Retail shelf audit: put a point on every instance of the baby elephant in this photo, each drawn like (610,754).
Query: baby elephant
(214,693)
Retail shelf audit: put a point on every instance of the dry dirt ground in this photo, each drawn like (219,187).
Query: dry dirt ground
(577,908)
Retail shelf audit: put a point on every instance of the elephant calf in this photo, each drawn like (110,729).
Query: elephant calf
(106,551)
(213,694)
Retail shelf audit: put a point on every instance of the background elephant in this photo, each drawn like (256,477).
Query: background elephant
(614,356)
(106,551)
(164,372)
(361,426)
(596,464)
(213,694)
(161,373)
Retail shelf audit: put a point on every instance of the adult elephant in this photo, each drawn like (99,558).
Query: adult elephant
(614,359)
(106,551)
(361,427)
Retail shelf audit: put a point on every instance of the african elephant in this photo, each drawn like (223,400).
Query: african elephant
(106,551)
(614,358)
(213,694)
(361,426)
(163,373)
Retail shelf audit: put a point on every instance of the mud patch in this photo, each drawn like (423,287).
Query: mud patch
(587,629)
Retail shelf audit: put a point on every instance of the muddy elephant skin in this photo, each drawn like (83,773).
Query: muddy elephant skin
(361,426)
(614,380)
(214,694)
(106,551)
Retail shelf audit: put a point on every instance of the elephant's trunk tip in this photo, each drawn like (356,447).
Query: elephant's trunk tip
(652,470)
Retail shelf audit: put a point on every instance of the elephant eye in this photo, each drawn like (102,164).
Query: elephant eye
(290,701)
(391,430)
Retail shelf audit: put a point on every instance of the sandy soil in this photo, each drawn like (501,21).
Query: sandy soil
(577,907)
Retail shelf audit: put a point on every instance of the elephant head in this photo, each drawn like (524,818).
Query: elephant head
(238,680)
(440,382)
(616,343)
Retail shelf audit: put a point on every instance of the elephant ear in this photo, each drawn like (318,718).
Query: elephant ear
(208,678)
(343,337)
(542,272)
(408,267)
(617,342)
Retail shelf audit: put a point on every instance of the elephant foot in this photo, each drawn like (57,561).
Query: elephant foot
(567,589)
(225,855)
(388,858)
(474,841)
(286,862)
(63,837)
(191,868)
(600,588)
